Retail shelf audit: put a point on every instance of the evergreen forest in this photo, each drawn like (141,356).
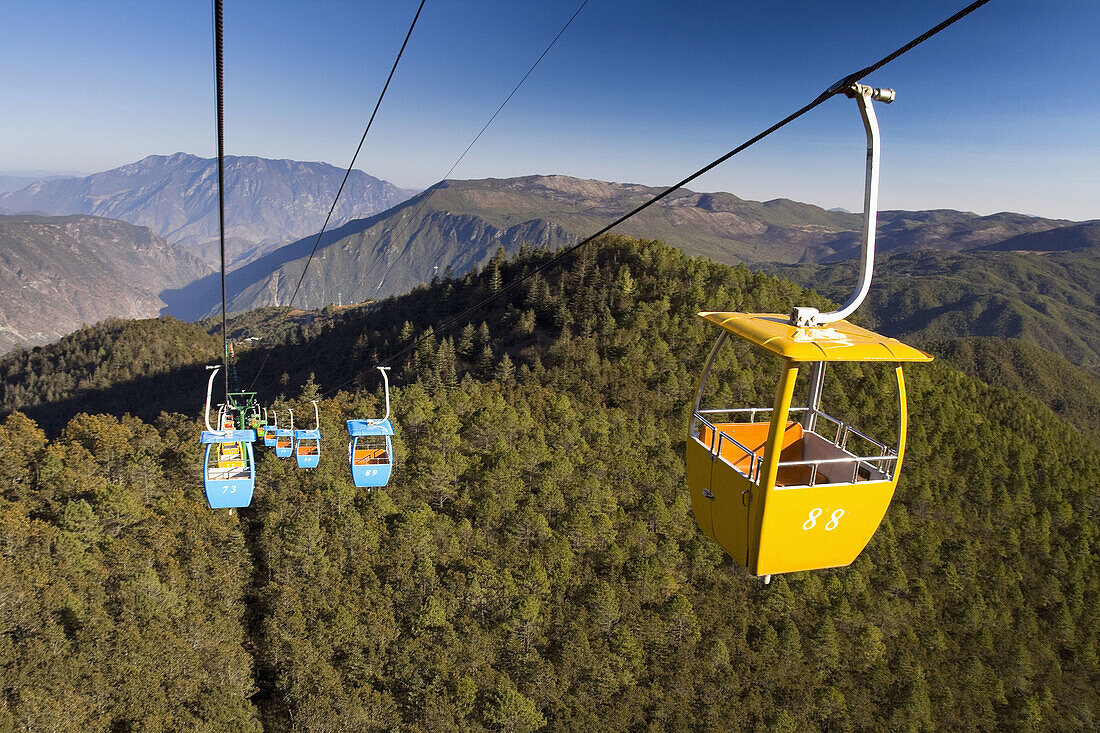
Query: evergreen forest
(534,563)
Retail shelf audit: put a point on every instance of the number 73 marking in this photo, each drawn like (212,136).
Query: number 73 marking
(834,519)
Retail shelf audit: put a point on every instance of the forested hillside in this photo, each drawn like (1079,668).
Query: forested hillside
(117,366)
(1017,366)
(534,563)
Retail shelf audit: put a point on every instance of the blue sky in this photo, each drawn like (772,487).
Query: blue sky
(1000,112)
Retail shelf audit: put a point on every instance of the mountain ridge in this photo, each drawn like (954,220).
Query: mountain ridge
(460,224)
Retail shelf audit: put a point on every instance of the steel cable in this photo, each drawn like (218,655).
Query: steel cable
(836,88)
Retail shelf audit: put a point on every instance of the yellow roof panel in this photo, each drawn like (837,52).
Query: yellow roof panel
(838,341)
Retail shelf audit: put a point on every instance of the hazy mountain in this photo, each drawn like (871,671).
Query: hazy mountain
(268,202)
(13,182)
(1079,236)
(59,272)
(940,229)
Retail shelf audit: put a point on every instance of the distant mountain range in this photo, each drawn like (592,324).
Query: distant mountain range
(269,203)
(12,182)
(59,272)
(458,225)
(937,275)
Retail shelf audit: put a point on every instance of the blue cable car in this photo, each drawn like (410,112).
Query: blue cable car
(269,432)
(370,451)
(284,439)
(307,443)
(229,469)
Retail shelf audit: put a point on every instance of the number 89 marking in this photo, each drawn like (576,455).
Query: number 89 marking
(834,519)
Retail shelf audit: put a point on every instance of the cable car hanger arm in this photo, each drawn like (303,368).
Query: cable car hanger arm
(804,316)
(209,388)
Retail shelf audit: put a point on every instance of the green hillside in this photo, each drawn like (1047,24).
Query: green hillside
(1017,366)
(534,564)
(1050,299)
(115,367)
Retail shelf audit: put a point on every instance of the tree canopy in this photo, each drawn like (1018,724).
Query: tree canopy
(534,564)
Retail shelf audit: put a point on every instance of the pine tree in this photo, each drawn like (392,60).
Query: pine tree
(485,359)
(464,347)
(505,371)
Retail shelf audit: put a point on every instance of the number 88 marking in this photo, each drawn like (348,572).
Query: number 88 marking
(833,523)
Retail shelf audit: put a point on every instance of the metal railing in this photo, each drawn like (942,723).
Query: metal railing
(882,463)
(856,461)
(716,439)
(752,411)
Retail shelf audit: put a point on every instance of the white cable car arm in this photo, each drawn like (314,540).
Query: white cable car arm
(809,317)
(386,383)
(209,389)
(316,416)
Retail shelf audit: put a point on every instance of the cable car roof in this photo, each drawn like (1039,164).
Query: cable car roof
(839,341)
(362,428)
(228,436)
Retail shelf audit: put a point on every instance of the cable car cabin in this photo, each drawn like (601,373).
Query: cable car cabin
(229,472)
(307,448)
(270,427)
(284,442)
(370,452)
(260,427)
(784,488)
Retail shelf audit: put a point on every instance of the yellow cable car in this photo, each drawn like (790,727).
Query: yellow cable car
(800,489)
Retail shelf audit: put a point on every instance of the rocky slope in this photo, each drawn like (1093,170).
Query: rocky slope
(59,272)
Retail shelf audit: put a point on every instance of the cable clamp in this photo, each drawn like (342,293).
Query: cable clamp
(879,95)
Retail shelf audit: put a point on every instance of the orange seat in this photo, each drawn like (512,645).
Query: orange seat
(754,436)
(370,456)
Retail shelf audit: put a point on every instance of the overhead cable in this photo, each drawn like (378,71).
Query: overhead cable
(836,88)
(426,195)
(340,190)
(347,173)
(220,115)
